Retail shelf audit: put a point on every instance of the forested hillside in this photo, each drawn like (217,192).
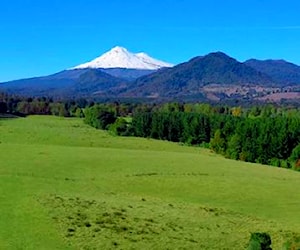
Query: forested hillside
(266,135)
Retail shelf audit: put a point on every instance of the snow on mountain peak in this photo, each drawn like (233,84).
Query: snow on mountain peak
(119,49)
(119,57)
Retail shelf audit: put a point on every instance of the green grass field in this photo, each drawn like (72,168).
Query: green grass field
(65,185)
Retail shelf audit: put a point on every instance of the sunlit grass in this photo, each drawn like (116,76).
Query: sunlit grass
(66,185)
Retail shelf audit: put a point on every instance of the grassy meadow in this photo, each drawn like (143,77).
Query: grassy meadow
(65,185)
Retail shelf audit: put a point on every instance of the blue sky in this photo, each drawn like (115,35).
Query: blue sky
(40,37)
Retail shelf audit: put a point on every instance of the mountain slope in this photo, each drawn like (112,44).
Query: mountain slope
(281,71)
(119,57)
(94,82)
(128,74)
(68,83)
(41,85)
(188,78)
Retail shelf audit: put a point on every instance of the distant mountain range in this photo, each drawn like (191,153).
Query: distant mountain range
(121,74)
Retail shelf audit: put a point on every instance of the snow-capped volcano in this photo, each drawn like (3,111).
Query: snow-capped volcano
(119,57)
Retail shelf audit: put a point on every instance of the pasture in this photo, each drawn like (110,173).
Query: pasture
(65,185)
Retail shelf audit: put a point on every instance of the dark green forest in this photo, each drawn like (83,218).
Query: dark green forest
(268,134)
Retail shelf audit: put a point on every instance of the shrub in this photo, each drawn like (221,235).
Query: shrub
(119,127)
(260,241)
(297,165)
(99,116)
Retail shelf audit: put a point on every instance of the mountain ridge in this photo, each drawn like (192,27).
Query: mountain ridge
(187,78)
(281,71)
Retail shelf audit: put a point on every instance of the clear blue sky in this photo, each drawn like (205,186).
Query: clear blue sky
(40,37)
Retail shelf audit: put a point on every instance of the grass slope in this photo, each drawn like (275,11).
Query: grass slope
(64,185)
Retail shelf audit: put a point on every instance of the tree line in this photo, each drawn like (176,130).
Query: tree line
(16,105)
(268,135)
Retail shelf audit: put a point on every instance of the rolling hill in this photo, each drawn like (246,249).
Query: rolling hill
(65,185)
